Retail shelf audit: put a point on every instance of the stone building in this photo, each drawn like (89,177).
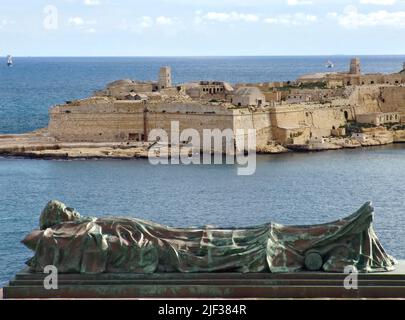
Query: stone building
(298,98)
(249,97)
(122,88)
(136,96)
(128,110)
(379,118)
(107,120)
(208,90)
(165,78)
(295,123)
(273,96)
(126,89)
(313,95)
(353,77)
(104,119)
(355,66)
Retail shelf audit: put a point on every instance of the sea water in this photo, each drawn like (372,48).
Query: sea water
(290,188)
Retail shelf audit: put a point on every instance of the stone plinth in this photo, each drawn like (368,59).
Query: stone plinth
(209,285)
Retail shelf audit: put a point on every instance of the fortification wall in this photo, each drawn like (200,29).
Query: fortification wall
(319,119)
(122,90)
(365,99)
(108,120)
(127,120)
(323,120)
(285,119)
(259,120)
(289,116)
(393,100)
(199,122)
(98,122)
(189,116)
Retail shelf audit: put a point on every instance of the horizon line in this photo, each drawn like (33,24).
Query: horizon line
(206,56)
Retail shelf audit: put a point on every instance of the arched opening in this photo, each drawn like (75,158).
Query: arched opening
(346,114)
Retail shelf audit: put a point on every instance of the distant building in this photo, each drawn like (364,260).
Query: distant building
(298,97)
(136,96)
(379,118)
(355,66)
(249,96)
(165,78)
(353,77)
(208,90)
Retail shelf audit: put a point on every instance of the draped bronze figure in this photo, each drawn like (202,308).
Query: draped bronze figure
(76,244)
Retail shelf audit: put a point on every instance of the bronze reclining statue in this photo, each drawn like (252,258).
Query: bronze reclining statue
(76,244)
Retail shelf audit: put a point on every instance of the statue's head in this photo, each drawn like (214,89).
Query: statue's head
(56,212)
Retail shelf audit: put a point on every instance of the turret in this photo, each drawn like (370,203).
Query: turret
(165,78)
(355,66)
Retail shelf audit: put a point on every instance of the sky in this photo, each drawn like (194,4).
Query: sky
(201,27)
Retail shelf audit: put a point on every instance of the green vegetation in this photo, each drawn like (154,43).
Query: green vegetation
(310,86)
(313,85)
(354,127)
(285,88)
(395,127)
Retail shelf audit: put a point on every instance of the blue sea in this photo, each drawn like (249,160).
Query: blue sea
(290,188)
(28,89)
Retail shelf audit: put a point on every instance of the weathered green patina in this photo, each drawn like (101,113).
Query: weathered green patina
(76,244)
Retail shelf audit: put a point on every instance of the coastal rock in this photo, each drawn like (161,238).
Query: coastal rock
(272,149)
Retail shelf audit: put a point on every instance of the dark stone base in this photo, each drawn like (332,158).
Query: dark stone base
(209,285)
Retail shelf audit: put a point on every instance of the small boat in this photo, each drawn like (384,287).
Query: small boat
(330,65)
(9,61)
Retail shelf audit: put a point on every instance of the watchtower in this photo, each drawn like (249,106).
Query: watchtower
(355,66)
(165,78)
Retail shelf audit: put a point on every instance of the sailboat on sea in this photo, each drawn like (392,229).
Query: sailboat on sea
(9,61)
(330,65)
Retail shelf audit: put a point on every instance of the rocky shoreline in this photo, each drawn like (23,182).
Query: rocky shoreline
(39,145)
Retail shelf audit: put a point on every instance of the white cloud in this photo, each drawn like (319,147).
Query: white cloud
(3,23)
(145,22)
(225,17)
(82,24)
(299,2)
(351,18)
(379,2)
(141,24)
(162,20)
(297,19)
(91,2)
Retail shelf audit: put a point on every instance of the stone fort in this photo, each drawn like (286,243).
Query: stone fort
(293,112)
